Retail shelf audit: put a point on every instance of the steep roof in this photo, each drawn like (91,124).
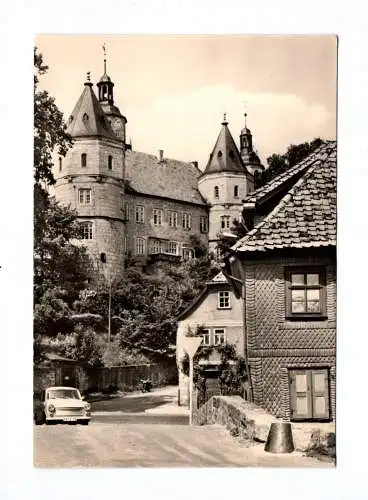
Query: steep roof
(168,178)
(306,215)
(225,156)
(87,118)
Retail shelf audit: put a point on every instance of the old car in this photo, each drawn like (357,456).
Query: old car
(61,404)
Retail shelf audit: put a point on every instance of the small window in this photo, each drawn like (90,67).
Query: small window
(126,211)
(232,155)
(217,193)
(173,219)
(103,257)
(85,117)
(188,253)
(225,222)
(139,214)
(187,221)
(203,224)
(218,336)
(206,335)
(219,154)
(309,394)
(87,231)
(60,163)
(236,191)
(155,247)
(109,162)
(223,300)
(83,160)
(305,292)
(157,216)
(140,246)
(85,197)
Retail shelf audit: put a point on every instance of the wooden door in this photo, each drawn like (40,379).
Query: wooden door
(309,394)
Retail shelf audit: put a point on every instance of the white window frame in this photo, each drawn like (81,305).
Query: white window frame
(140,246)
(87,232)
(82,196)
(219,333)
(157,216)
(187,221)
(225,221)
(155,246)
(223,299)
(173,218)
(187,253)
(170,246)
(206,336)
(139,214)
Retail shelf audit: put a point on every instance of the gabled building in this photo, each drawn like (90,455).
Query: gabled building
(219,312)
(286,268)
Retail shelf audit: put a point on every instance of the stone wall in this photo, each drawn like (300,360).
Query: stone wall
(248,421)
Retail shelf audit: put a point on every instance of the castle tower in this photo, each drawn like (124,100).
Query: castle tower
(224,183)
(250,158)
(90,179)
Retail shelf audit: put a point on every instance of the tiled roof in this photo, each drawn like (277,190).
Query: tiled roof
(168,178)
(296,171)
(87,118)
(306,215)
(225,156)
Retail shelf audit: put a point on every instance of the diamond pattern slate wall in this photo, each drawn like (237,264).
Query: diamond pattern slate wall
(276,344)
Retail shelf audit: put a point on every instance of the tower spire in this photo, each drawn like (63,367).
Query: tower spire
(104,50)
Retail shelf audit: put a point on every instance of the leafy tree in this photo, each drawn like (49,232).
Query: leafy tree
(49,128)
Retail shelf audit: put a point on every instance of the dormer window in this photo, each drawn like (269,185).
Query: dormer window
(217,193)
(83,160)
(109,162)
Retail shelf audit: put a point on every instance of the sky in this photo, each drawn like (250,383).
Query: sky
(174,90)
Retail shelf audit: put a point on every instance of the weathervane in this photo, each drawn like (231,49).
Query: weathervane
(104,50)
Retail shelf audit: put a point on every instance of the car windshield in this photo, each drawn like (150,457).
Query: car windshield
(63,394)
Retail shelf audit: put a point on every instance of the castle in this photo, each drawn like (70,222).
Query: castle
(134,204)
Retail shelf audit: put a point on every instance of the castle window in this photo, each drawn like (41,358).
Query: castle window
(60,163)
(223,300)
(140,246)
(86,231)
(173,219)
(103,257)
(155,247)
(187,221)
(85,117)
(126,211)
(157,216)
(203,224)
(217,193)
(219,154)
(139,214)
(84,196)
(109,162)
(188,253)
(83,160)
(236,191)
(225,221)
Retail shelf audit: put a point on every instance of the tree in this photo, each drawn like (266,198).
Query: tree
(49,128)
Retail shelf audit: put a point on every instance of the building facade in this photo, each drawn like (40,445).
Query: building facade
(134,205)
(219,314)
(287,264)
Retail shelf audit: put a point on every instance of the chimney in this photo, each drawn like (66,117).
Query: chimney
(160,155)
(195,163)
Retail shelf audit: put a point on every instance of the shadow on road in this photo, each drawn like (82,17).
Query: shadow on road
(134,404)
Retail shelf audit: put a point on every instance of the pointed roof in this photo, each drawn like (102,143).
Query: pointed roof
(87,118)
(225,156)
(306,216)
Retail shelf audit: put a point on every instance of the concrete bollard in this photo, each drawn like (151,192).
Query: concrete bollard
(280,438)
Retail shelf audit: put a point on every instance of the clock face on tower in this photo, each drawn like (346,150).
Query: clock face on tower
(117,125)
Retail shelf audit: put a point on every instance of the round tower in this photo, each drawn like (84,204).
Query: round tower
(224,183)
(90,180)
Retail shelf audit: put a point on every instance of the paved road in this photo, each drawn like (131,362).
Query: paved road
(134,431)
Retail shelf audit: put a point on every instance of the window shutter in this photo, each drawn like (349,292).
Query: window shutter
(320,388)
(300,395)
